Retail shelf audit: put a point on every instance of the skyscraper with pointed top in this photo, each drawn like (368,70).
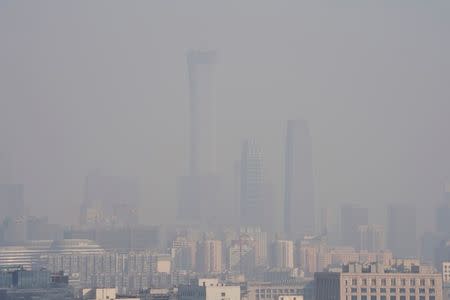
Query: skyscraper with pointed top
(299,206)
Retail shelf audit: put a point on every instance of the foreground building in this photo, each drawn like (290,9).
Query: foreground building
(209,289)
(375,282)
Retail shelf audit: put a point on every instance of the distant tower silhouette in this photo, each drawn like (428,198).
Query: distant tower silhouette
(198,191)
(203,112)
(299,207)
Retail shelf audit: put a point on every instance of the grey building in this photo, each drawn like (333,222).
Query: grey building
(299,206)
(352,216)
(200,188)
(401,230)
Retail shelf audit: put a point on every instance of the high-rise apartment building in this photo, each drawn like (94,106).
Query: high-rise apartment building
(299,207)
(371,237)
(209,256)
(260,243)
(282,254)
(352,216)
(401,230)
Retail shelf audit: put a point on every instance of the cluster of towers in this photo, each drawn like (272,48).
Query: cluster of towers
(199,190)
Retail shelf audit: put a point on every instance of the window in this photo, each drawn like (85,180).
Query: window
(432,282)
(373,290)
(354,297)
(363,290)
(354,281)
(364,281)
(431,291)
(403,282)
(393,297)
(223,295)
(421,291)
(422,282)
(363,297)
(373,281)
(373,297)
(402,297)
(402,290)
(383,282)
(412,290)
(393,281)
(432,298)
(412,297)
(354,290)
(412,282)
(421,297)
(383,290)
(392,290)
(383,297)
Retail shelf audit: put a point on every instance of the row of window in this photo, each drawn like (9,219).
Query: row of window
(391,290)
(392,297)
(392,281)
(279,291)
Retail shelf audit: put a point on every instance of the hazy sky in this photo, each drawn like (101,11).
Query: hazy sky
(103,85)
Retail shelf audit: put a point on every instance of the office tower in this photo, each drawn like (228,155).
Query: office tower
(401,228)
(352,216)
(299,207)
(209,258)
(11,201)
(282,254)
(252,185)
(198,191)
(12,214)
(203,112)
(110,200)
(371,237)
(183,254)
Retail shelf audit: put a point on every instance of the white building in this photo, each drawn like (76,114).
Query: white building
(209,289)
(102,294)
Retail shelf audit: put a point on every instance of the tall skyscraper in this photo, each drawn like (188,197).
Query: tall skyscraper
(252,185)
(402,236)
(352,216)
(299,207)
(199,190)
(203,112)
